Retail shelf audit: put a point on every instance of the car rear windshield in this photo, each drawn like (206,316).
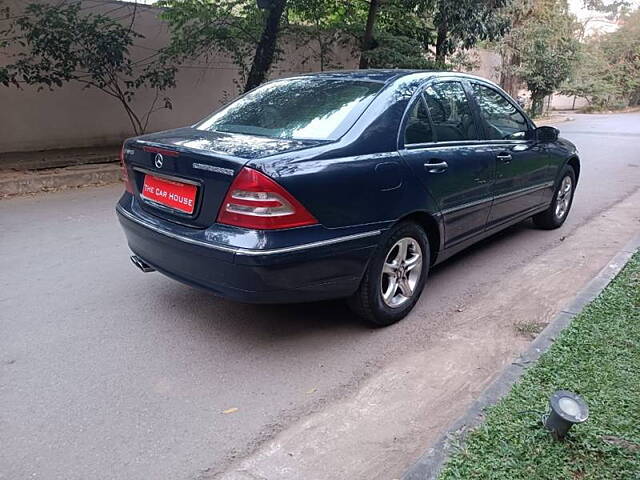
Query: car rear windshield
(300,108)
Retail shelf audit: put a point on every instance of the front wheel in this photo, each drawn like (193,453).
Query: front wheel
(556,214)
(395,277)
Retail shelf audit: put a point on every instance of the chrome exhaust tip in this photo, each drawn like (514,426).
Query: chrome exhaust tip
(141,264)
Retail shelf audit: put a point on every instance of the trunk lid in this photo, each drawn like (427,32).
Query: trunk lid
(187,165)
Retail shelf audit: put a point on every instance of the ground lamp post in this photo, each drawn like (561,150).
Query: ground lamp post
(565,409)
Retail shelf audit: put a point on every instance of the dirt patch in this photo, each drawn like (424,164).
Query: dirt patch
(529,330)
(622,443)
(393,418)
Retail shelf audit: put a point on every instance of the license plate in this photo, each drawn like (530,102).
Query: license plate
(177,195)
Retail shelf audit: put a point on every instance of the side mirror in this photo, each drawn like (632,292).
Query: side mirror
(547,134)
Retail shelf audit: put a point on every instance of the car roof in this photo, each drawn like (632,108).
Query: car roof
(377,75)
(385,75)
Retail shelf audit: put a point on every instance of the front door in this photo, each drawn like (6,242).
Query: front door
(520,164)
(443,146)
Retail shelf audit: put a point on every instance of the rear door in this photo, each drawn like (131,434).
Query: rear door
(520,164)
(443,145)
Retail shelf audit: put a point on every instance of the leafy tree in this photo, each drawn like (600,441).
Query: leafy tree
(608,71)
(382,33)
(540,50)
(367,37)
(592,78)
(392,33)
(443,26)
(238,28)
(403,36)
(56,44)
(461,24)
(266,48)
(311,23)
(548,56)
(622,50)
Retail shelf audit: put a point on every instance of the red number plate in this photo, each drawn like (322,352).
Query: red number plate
(177,195)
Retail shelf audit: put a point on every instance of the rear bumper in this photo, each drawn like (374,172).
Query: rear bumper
(313,270)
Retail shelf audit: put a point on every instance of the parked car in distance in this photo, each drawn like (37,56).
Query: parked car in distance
(348,184)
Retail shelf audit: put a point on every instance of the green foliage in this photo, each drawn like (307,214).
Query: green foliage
(607,74)
(592,78)
(463,23)
(404,35)
(541,49)
(201,28)
(321,26)
(598,356)
(622,50)
(548,53)
(441,26)
(392,51)
(58,45)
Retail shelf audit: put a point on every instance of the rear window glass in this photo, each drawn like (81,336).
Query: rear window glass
(302,108)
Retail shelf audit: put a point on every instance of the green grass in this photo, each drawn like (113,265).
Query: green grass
(597,356)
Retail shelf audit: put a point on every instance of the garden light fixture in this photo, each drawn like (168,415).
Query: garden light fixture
(566,408)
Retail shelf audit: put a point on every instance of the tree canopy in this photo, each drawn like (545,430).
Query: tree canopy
(541,48)
(382,33)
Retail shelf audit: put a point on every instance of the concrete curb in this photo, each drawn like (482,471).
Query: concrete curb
(34,181)
(555,121)
(431,462)
(58,158)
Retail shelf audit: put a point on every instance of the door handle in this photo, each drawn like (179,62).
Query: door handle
(505,157)
(436,167)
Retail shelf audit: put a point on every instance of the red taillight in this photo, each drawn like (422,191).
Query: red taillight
(255,201)
(125,173)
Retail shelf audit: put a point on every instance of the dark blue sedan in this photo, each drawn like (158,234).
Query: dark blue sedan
(340,185)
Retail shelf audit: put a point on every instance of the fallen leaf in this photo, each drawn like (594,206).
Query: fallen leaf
(313,390)
(230,410)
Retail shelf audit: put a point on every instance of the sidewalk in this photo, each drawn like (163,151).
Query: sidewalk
(31,172)
(555,117)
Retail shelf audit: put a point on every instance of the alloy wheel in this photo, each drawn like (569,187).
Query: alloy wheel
(563,199)
(401,272)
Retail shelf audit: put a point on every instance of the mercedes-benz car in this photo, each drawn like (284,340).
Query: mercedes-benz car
(348,184)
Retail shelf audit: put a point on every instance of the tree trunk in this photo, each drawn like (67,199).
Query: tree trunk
(367,38)
(441,41)
(508,80)
(266,47)
(537,104)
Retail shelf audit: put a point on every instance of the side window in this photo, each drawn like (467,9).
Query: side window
(450,112)
(502,119)
(418,128)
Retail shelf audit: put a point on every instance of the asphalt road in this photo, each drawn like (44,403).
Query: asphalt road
(106,372)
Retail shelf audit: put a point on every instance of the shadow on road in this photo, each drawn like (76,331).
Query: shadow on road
(268,325)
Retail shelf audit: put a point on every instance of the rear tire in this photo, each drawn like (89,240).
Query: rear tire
(395,277)
(556,214)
